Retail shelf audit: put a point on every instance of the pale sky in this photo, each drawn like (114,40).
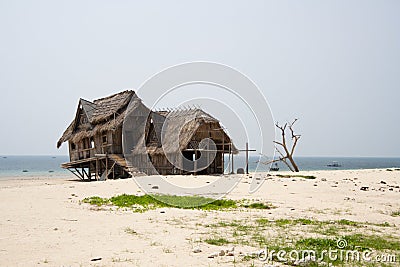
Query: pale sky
(335,65)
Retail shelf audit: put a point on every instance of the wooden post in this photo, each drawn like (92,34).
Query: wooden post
(90,172)
(233,169)
(105,178)
(195,162)
(247,158)
(223,153)
(97,169)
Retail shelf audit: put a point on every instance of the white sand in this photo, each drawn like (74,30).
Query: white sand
(43,223)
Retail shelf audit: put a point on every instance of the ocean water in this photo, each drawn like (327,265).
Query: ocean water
(32,166)
(49,166)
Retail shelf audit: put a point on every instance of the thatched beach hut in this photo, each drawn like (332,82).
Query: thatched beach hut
(95,139)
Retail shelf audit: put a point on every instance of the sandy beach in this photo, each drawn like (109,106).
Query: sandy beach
(43,222)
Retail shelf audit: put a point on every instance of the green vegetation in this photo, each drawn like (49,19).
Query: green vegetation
(372,242)
(217,241)
(146,202)
(296,175)
(258,205)
(98,201)
(395,213)
(347,222)
(283,234)
(130,231)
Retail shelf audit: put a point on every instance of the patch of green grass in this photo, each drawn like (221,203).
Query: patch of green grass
(356,242)
(328,231)
(258,205)
(385,224)
(217,241)
(372,242)
(305,221)
(95,200)
(347,222)
(283,222)
(317,244)
(257,234)
(249,257)
(263,222)
(146,202)
(296,175)
(160,201)
(395,213)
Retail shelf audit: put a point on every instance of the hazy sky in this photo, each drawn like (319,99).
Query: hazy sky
(333,64)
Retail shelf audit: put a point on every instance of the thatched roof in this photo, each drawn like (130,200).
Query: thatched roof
(185,122)
(100,114)
(109,113)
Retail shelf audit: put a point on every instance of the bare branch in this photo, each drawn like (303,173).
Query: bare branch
(295,138)
(278,143)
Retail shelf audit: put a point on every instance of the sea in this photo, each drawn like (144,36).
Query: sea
(49,166)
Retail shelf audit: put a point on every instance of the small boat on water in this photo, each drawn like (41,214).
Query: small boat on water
(334,164)
(274,167)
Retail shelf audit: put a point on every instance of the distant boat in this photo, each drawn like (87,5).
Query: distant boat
(274,167)
(334,164)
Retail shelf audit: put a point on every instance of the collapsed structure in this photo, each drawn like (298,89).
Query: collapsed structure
(98,144)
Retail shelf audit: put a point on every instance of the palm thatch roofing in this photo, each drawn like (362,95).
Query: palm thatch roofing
(102,114)
(185,122)
(108,113)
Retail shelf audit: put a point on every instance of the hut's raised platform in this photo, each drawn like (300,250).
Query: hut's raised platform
(101,167)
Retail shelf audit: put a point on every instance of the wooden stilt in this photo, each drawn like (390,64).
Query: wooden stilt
(195,162)
(97,169)
(105,178)
(247,158)
(87,175)
(74,173)
(223,154)
(233,169)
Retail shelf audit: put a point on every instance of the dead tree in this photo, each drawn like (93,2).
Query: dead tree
(282,147)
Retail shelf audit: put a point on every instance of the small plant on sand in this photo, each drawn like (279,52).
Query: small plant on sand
(130,231)
(167,250)
(258,205)
(296,176)
(347,222)
(216,241)
(395,213)
(95,200)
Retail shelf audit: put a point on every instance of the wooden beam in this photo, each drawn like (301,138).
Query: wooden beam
(88,176)
(247,158)
(74,173)
(81,174)
(97,169)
